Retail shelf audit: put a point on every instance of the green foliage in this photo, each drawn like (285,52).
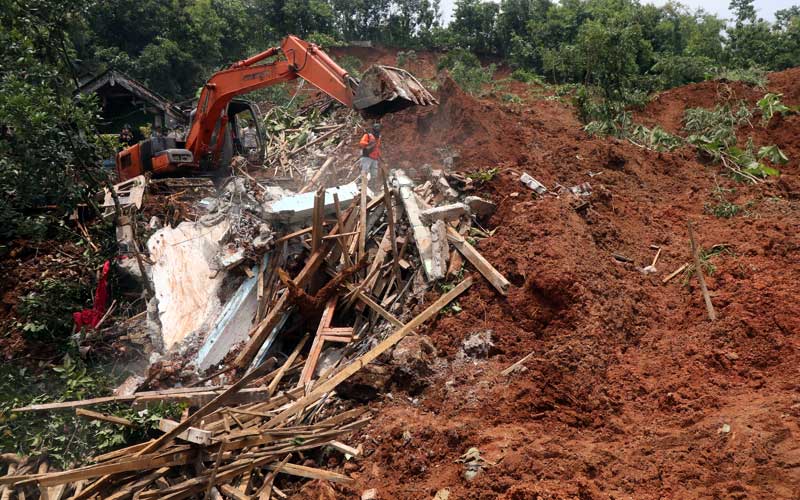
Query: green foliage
(406,56)
(676,69)
(753,75)
(713,132)
(352,64)
(466,70)
(771,104)
(46,312)
(715,126)
(512,98)
(527,76)
(49,151)
(721,206)
(484,175)
(68,440)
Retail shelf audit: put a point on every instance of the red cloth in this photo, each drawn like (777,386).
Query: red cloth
(90,317)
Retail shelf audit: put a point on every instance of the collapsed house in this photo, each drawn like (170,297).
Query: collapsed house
(294,289)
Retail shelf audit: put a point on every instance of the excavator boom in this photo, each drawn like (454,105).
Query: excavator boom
(384,89)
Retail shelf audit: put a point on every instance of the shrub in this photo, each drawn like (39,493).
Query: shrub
(525,76)
(404,57)
(754,76)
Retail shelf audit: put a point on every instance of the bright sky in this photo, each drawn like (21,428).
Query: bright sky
(765,8)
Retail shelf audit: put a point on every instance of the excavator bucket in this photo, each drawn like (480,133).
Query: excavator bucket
(384,89)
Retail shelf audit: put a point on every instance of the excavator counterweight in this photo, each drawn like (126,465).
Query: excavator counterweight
(213,130)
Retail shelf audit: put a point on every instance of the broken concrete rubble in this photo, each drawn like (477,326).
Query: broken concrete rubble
(443,213)
(298,208)
(480,207)
(532,183)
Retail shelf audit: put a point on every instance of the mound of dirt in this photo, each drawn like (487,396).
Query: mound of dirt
(630,392)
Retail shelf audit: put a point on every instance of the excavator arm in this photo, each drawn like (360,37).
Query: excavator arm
(303,60)
(388,90)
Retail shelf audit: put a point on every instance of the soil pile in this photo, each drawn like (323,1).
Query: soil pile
(630,392)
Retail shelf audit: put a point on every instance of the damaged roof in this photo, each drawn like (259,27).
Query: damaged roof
(113,78)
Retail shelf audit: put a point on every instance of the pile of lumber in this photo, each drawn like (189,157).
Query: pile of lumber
(364,267)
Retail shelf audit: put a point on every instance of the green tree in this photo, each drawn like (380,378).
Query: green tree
(49,151)
(474,25)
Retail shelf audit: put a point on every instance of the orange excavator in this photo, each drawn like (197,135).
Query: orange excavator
(215,123)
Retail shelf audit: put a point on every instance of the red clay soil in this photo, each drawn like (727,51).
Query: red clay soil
(631,391)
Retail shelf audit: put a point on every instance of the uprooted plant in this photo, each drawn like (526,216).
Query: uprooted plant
(771,104)
(713,133)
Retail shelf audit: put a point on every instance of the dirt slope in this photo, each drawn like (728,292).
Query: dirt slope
(631,391)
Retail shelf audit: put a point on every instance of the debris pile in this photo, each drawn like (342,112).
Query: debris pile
(264,313)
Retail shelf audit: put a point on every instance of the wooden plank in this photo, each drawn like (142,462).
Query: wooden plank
(192,434)
(141,463)
(317,176)
(163,395)
(232,492)
(357,364)
(312,473)
(362,237)
(316,223)
(375,306)
(260,332)
(316,346)
(698,269)
(390,214)
(345,449)
(93,415)
(481,264)
(265,493)
(273,386)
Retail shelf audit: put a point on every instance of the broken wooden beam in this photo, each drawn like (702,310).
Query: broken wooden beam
(698,269)
(348,371)
(112,419)
(488,271)
(192,434)
(422,235)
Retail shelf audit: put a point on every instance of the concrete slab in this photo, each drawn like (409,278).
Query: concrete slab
(181,275)
(298,208)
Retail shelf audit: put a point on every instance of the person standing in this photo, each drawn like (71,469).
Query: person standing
(126,137)
(370,145)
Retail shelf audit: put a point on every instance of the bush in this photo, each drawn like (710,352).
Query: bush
(525,76)
(449,60)
(351,64)
(46,313)
(754,76)
(677,70)
(405,57)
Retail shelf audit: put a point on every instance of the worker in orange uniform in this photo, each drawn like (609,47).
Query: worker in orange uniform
(370,153)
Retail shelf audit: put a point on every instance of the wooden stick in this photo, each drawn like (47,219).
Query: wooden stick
(93,415)
(356,365)
(387,194)
(265,493)
(273,386)
(517,364)
(712,314)
(362,237)
(675,273)
(375,306)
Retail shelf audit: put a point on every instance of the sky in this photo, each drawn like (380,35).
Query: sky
(765,8)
